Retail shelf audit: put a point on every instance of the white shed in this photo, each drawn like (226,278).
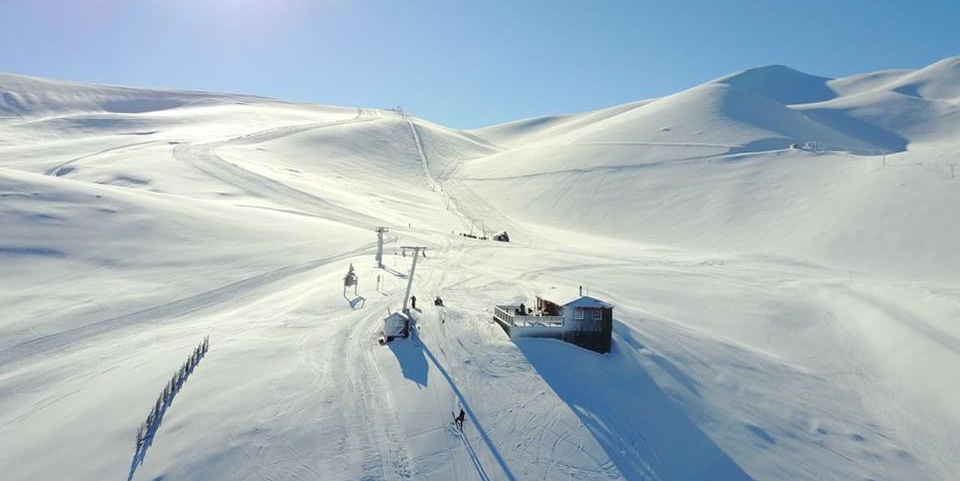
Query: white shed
(588,322)
(396,325)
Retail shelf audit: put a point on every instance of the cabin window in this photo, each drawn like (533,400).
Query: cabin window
(578,314)
(597,315)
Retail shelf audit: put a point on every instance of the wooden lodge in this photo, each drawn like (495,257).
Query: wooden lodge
(585,321)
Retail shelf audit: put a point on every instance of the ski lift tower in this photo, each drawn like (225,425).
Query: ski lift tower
(416,255)
(380,231)
(397,324)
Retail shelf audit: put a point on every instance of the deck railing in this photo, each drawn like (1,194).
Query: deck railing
(506,314)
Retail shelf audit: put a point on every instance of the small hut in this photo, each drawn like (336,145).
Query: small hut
(396,325)
(588,323)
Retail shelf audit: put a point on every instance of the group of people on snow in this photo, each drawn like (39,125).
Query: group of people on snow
(522,310)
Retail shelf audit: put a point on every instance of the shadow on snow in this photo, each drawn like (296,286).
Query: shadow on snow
(395,272)
(645,434)
(412,355)
(412,362)
(356,302)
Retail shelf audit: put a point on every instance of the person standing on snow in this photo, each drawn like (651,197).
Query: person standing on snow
(413,302)
(459,419)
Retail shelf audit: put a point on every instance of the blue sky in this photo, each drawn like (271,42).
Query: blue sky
(464,63)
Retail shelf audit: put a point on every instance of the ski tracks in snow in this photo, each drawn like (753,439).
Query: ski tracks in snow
(239,290)
(357,408)
(204,158)
(64,168)
(453,205)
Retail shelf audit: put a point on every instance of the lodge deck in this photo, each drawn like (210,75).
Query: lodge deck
(586,322)
(506,315)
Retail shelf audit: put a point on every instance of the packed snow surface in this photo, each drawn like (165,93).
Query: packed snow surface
(781,251)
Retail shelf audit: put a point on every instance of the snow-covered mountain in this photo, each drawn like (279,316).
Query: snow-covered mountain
(781,249)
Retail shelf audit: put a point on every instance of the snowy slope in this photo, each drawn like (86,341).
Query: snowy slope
(781,313)
(710,168)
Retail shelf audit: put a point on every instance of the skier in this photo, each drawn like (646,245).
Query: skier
(459,419)
(413,302)
(438,302)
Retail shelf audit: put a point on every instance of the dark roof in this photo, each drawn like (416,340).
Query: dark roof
(587,301)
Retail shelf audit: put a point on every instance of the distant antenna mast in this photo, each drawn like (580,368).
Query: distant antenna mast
(380,231)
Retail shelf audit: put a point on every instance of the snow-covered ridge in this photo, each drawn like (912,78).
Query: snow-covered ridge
(31,97)
(868,108)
